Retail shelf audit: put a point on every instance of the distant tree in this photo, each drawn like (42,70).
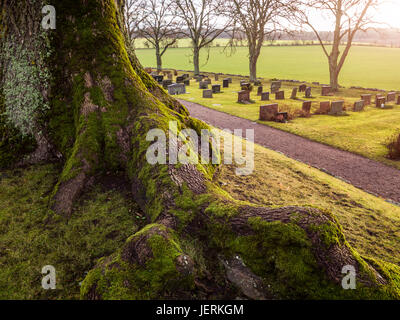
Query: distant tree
(258,20)
(133,15)
(160,26)
(203,23)
(349,17)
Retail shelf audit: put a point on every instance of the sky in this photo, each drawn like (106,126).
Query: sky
(388,13)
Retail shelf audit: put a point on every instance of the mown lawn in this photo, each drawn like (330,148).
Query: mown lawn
(365,133)
(366,66)
(371,225)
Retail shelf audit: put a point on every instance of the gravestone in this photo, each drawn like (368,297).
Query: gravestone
(358,106)
(203,85)
(180,79)
(186,76)
(275,86)
(169,76)
(324,107)
(257,83)
(176,88)
(259,90)
(337,107)
(216,77)
(367,98)
(265,96)
(216,88)
(268,112)
(308,92)
(398,100)
(306,107)
(230,80)
(245,86)
(391,96)
(207,80)
(158,78)
(207,93)
(294,94)
(326,91)
(175,73)
(280,95)
(380,101)
(225,83)
(282,117)
(166,83)
(302,88)
(244,96)
(186,82)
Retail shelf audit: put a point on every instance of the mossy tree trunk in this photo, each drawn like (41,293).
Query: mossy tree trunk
(199,242)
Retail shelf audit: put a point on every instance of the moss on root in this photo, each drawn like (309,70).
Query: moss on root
(156,269)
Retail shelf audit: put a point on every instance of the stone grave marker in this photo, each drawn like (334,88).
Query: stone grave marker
(207,93)
(230,80)
(259,90)
(280,95)
(216,77)
(216,88)
(186,76)
(398,100)
(180,79)
(203,85)
(367,98)
(326,91)
(175,73)
(207,80)
(225,83)
(186,82)
(308,92)
(176,88)
(268,112)
(275,86)
(324,107)
(306,107)
(257,83)
(358,106)
(158,78)
(244,96)
(380,101)
(169,76)
(336,107)
(302,88)
(265,96)
(245,86)
(391,96)
(166,83)
(294,94)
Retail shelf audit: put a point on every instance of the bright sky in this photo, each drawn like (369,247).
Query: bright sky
(388,13)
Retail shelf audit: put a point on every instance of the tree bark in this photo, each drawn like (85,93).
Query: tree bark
(196,60)
(159,59)
(199,242)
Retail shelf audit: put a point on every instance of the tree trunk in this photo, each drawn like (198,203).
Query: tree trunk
(159,59)
(199,242)
(196,60)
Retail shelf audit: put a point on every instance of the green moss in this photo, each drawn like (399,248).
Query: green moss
(115,278)
(32,237)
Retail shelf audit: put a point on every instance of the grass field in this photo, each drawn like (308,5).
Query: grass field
(365,133)
(366,66)
(31,236)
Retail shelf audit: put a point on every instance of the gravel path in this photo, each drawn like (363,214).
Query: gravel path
(371,176)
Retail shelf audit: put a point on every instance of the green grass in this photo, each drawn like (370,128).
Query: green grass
(366,66)
(32,237)
(365,133)
(371,225)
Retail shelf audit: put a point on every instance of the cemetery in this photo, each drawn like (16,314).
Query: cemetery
(338,119)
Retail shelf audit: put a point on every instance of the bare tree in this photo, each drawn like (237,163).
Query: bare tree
(160,26)
(350,17)
(133,15)
(204,22)
(257,20)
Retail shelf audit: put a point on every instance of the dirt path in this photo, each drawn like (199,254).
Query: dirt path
(371,176)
